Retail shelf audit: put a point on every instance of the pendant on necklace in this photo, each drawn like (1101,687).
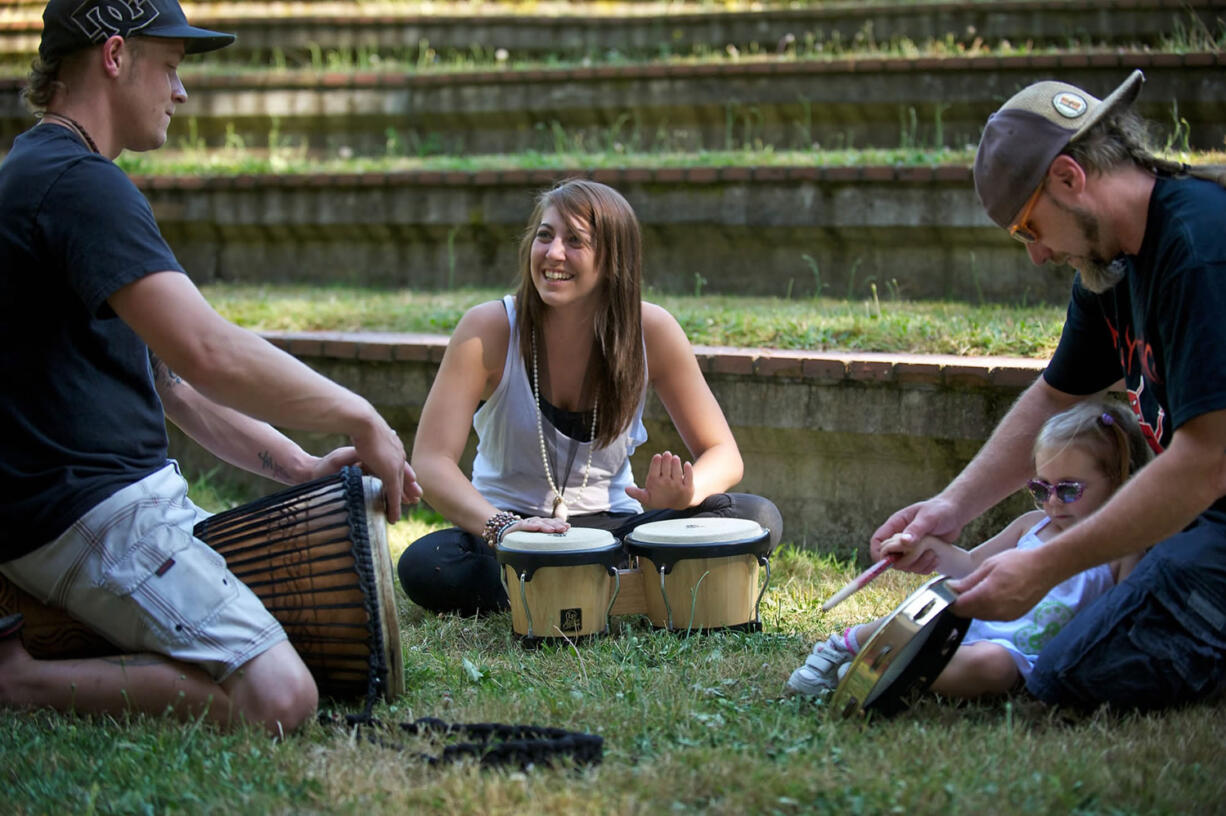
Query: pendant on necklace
(559,509)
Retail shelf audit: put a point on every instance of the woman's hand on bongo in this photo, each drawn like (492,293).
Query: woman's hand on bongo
(537,524)
(669,486)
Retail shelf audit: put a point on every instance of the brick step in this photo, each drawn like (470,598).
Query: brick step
(781,103)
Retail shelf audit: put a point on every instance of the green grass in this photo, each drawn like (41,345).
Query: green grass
(192,158)
(888,325)
(690,725)
(616,148)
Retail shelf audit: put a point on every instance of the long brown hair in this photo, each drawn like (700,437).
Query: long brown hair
(618,367)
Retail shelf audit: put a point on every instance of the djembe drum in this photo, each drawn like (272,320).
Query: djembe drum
(316,555)
(707,570)
(561,585)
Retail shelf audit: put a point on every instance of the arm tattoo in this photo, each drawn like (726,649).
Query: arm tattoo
(277,470)
(162,375)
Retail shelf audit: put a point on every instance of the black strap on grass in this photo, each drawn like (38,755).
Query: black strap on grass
(495,745)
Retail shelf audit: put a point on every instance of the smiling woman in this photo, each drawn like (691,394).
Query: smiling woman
(555,379)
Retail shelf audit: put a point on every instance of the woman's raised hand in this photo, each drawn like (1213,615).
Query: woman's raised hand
(669,485)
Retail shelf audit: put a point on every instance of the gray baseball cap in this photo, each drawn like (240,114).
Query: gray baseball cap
(1022,138)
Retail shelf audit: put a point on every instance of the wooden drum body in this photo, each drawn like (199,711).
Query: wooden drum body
(561,585)
(49,632)
(906,653)
(707,570)
(316,555)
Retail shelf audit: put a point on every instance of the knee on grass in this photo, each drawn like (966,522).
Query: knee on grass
(275,690)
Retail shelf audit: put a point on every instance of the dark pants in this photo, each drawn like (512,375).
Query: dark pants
(1156,640)
(454,571)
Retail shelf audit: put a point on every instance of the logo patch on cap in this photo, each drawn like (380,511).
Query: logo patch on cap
(1069,105)
(110,17)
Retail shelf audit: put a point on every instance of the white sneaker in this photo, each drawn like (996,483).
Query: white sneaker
(823,668)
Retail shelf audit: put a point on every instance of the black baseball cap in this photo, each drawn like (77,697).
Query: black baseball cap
(71,25)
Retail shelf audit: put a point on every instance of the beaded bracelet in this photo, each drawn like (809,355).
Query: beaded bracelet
(496,525)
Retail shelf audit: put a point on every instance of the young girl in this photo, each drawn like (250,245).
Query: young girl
(554,381)
(1081,457)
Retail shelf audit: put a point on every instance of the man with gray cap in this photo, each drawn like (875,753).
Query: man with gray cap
(96,316)
(1070,177)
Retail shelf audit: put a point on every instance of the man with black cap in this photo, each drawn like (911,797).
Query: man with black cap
(96,316)
(1070,176)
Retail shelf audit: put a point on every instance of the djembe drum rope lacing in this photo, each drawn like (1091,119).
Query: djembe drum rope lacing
(319,537)
(495,744)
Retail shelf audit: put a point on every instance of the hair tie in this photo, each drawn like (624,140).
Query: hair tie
(1106,419)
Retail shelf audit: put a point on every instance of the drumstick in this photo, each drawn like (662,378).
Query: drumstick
(859,582)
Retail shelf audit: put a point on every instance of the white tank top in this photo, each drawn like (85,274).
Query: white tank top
(508,470)
(1025,637)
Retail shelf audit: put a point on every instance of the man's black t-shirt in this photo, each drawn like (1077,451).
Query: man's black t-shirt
(1163,328)
(79,414)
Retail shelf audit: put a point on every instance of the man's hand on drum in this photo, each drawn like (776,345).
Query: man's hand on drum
(935,517)
(1004,587)
(333,461)
(669,485)
(382,453)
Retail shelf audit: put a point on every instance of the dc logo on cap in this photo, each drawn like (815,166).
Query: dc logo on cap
(1069,105)
(109,17)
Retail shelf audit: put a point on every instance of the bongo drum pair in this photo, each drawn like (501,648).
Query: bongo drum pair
(316,555)
(696,574)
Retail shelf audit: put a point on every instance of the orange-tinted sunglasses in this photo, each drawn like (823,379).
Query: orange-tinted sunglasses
(1020,229)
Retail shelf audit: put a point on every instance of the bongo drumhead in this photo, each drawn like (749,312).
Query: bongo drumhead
(700,530)
(527,551)
(576,539)
(666,542)
(906,653)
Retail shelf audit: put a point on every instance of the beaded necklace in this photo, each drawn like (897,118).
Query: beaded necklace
(76,126)
(559,503)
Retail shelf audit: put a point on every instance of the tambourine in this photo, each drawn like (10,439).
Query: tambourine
(906,653)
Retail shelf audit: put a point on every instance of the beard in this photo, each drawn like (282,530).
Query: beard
(1098,274)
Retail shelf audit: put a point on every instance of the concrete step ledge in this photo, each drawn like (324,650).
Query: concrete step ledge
(936,370)
(837,440)
(779,103)
(918,232)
